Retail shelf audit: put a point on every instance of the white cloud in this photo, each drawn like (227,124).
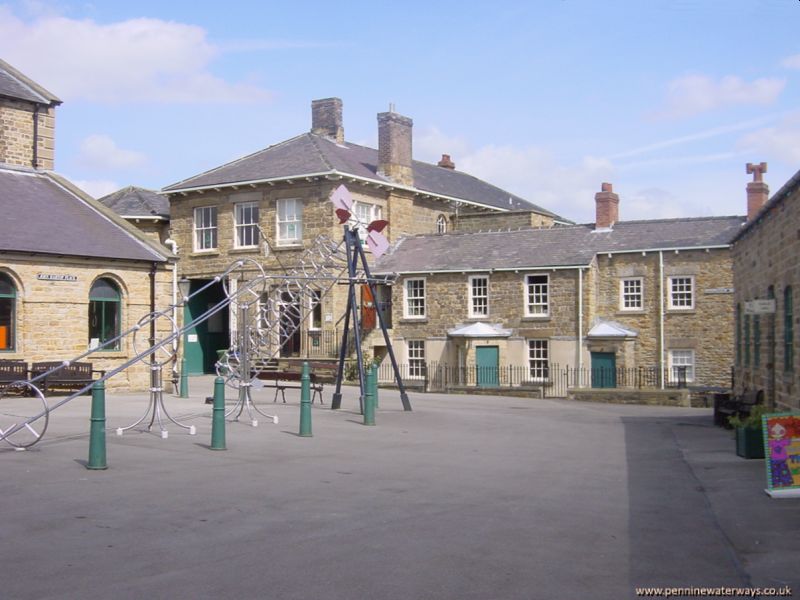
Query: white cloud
(694,94)
(101,152)
(791,62)
(781,142)
(139,60)
(97,188)
(432,143)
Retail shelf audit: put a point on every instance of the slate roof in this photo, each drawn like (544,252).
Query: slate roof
(309,154)
(574,245)
(14,84)
(44,214)
(137,202)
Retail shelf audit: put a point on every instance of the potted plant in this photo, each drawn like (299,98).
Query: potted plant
(749,434)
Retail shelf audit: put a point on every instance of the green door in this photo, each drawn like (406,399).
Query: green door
(604,370)
(487,359)
(202,341)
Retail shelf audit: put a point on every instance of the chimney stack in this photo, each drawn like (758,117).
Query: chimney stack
(757,190)
(606,207)
(446,163)
(326,119)
(394,147)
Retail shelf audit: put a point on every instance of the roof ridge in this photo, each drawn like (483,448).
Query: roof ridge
(29,83)
(322,156)
(681,219)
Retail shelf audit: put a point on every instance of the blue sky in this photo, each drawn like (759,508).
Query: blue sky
(666,99)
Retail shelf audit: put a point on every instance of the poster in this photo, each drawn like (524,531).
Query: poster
(782,452)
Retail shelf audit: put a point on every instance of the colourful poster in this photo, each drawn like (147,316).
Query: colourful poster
(782,452)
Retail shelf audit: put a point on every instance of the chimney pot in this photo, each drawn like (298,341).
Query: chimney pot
(446,163)
(757,190)
(326,119)
(606,207)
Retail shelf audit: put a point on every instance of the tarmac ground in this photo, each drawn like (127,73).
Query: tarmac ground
(465,497)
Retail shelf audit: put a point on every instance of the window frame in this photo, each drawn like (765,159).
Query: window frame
(296,220)
(315,310)
(375,212)
(11,335)
(240,227)
(671,366)
(103,303)
(415,350)
(197,231)
(541,363)
(407,298)
(441,224)
(527,296)
(673,293)
(471,297)
(623,295)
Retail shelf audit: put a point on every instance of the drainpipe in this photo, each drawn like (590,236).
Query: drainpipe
(580,327)
(174,247)
(35,136)
(661,317)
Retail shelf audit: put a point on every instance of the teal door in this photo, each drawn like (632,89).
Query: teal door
(487,360)
(604,370)
(202,341)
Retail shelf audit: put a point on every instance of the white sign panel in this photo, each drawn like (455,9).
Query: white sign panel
(760,307)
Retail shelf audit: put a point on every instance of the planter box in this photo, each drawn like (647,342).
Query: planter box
(749,442)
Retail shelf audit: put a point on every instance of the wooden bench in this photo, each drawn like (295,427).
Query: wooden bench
(11,371)
(73,376)
(290,378)
(725,408)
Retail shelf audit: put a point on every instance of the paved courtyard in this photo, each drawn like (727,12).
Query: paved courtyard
(463,498)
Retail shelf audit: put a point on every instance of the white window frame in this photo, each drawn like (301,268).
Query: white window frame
(538,359)
(672,364)
(441,224)
(407,313)
(242,229)
(363,214)
(473,314)
(314,305)
(528,296)
(416,359)
(292,219)
(636,297)
(200,227)
(673,293)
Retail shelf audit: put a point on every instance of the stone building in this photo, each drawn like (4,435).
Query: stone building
(766,273)
(270,206)
(615,296)
(146,210)
(73,275)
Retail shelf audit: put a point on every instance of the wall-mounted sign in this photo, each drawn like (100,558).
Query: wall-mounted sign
(760,307)
(782,449)
(719,291)
(56,277)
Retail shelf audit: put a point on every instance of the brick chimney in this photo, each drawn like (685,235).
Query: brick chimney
(606,207)
(394,147)
(446,163)
(757,190)
(326,119)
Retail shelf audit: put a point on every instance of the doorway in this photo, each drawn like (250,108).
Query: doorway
(290,316)
(487,361)
(604,370)
(203,341)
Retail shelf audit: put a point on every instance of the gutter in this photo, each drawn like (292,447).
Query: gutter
(331,174)
(484,270)
(35,136)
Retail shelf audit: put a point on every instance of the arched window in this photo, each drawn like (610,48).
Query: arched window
(788,330)
(105,312)
(8,317)
(441,224)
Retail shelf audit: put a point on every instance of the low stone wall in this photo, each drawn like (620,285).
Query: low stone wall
(671,397)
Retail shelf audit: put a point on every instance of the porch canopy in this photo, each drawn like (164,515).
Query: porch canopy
(609,329)
(479,330)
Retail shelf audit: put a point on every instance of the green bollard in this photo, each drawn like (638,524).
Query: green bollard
(218,416)
(369,398)
(184,380)
(375,386)
(305,403)
(97,431)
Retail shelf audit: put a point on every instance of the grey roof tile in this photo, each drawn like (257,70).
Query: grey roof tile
(14,84)
(40,215)
(551,247)
(137,202)
(309,153)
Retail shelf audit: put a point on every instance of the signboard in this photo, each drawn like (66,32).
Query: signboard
(760,307)
(719,291)
(56,277)
(782,452)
